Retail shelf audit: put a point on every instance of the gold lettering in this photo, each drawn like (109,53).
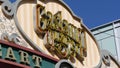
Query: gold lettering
(37,61)
(64,26)
(43,24)
(56,36)
(49,15)
(50,38)
(10,55)
(24,57)
(70,30)
(42,11)
(52,24)
(49,20)
(43,18)
(73,31)
(83,39)
(62,50)
(57,20)
(76,35)
(63,37)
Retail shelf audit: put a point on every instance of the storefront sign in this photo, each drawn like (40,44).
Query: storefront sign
(63,38)
(47,34)
(21,56)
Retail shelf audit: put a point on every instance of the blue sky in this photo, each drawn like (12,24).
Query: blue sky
(95,12)
(12,1)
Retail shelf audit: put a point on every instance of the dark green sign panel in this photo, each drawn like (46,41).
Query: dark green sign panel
(25,57)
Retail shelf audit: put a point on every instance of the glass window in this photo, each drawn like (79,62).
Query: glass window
(109,44)
(110,26)
(104,35)
(106,41)
(101,29)
(95,32)
(106,38)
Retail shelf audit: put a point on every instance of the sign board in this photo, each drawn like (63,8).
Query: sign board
(49,27)
(25,56)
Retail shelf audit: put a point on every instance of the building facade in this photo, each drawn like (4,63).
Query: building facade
(47,34)
(108,37)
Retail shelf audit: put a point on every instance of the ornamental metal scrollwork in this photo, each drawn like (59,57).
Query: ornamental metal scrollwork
(9,6)
(63,38)
(106,58)
(14,38)
(64,64)
(8,31)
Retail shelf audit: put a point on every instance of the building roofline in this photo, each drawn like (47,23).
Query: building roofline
(106,24)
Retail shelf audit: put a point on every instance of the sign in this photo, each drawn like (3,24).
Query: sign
(60,37)
(48,27)
(21,56)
